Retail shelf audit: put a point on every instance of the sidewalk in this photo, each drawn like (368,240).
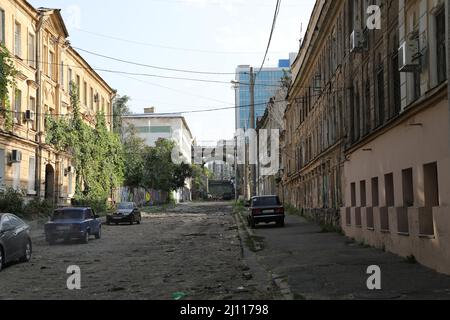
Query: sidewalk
(329,266)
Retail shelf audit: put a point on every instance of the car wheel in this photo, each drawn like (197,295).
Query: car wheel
(28,250)
(132,221)
(86,237)
(99,234)
(280,224)
(252,224)
(2,259)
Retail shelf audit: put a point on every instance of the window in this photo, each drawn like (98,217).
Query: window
(375,193)
(389,188)
(431,185)
(441,46)
(17,105)
(31,51)
(408,190)
(85,93)
(78,83)
(92,99)
(353,194)
(31,176)
(32,107)
(362,189)
(69,79)
(51,65)
(70,187)
(380,96)
(16,176)
(17,39)
(2,26)
(61,75)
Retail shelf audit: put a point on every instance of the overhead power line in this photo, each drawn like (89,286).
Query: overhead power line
(152,66)
(274,22)
(168,47)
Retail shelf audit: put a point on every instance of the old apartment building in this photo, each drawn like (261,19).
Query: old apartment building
(47,65)
(367,125)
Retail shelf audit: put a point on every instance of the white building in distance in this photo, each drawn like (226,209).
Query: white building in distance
(151,127)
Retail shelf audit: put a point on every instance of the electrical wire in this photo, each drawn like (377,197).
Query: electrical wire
(277,11)
(152,66)
(167,47)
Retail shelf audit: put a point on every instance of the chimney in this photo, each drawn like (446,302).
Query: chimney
(149,110)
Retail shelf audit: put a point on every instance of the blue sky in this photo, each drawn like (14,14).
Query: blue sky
(231,32)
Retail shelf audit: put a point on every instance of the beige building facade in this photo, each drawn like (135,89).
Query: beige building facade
(47,65)
(383,162)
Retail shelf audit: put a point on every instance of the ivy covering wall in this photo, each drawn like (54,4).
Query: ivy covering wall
(97,153)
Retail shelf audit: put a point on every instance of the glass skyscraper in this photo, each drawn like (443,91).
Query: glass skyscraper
(267,83)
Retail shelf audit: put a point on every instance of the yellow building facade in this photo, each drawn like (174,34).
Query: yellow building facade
(47,65)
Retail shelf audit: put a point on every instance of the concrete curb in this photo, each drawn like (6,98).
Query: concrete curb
(278,281)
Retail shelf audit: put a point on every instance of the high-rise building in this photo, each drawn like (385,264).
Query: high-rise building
(267,82)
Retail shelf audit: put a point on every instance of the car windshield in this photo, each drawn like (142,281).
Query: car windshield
(126,205)
(266,201)
(68,215)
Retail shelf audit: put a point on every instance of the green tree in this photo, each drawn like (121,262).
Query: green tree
(120,108)
(160,173)
(134,149)
(7,79)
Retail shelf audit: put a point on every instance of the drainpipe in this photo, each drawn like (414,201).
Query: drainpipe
(39,104)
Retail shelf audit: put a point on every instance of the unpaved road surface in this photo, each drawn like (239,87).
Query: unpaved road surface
(194,249)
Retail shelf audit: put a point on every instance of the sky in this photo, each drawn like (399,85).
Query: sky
(199,35)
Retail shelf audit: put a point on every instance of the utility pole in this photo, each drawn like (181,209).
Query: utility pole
(253,127)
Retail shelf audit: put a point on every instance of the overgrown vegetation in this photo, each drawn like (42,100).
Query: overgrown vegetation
(152,168)
(97,154)
(12,201)
(7,80)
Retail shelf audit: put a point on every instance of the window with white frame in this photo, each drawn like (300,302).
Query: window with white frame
(17,105)
(31,50)
(17,39)
(2,26)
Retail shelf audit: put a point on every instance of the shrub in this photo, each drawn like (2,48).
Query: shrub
(38,207)
(99,205)
(11,201)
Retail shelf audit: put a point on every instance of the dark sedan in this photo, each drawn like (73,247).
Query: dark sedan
(127,212)
(265,209)
(15,240)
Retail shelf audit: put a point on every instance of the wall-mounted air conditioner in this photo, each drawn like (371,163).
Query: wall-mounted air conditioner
(68,170)
(408,56)
(357,42)
(29,115)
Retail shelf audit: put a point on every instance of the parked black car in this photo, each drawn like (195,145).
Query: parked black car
(265,209)
(15,240)
(127,212)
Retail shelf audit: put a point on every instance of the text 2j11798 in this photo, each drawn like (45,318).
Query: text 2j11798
(242,310)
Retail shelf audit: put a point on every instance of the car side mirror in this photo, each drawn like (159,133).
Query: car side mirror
(96,216)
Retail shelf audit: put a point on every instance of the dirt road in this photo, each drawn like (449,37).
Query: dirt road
(194,249)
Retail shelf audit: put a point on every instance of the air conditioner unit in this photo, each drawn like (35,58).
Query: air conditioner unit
(16,156)
(356,41)
(29,115)
(68,170)
(408,56)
